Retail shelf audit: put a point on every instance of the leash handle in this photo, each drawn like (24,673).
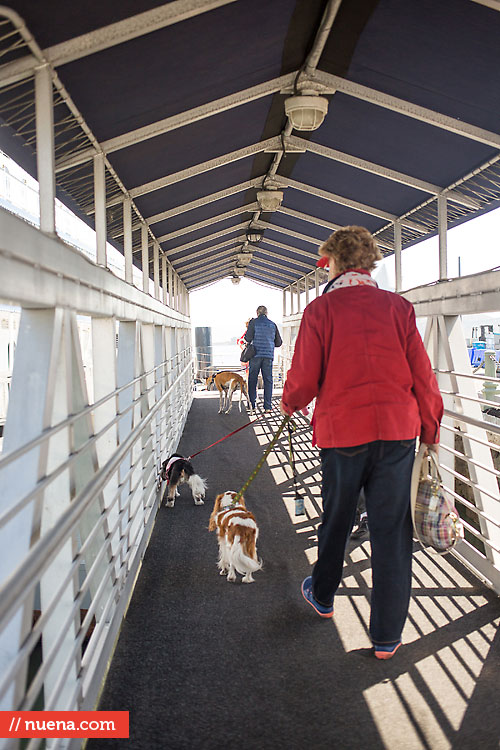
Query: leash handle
(263,458)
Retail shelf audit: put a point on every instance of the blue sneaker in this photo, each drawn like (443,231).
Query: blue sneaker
(383,651)
(307,593)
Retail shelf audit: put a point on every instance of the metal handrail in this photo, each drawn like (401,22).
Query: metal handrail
(44,551)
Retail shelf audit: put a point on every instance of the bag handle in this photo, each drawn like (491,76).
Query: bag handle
(425,463)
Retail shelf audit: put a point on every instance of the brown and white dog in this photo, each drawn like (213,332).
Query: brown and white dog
(226,383)
(237,534)
(177,470)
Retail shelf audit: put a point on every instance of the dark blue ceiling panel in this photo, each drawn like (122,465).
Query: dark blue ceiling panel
(181,66)
(200,234)
(191,145)
(195,187)
(188,218)
(444,56)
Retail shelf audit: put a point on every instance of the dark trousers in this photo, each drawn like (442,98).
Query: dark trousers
(264,365)
(383,468)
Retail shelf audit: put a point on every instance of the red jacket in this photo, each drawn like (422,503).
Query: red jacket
(359,352)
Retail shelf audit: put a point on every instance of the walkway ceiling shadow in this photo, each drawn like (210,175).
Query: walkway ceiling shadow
(186,100)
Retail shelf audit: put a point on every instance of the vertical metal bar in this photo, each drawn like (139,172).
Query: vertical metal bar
(145,258)
(316,281)
(306,280)
(44,109)
(284,302)
(164,281)
(156,270)
(127,237)
(297,287)
(100,209)
(397,255)
(442,232)
(170,285)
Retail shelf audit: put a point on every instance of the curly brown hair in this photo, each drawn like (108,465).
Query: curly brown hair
(351,247)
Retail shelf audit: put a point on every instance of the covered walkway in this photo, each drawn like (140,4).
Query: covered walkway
(201,663)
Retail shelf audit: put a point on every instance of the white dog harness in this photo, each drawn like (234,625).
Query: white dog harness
(170,462)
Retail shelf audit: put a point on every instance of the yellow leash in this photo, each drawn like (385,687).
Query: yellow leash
(268,450)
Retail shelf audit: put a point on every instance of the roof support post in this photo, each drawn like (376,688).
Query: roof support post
(164,282)
(156,270)
(316,281)
(397,255)
(127,237)
(45,159)
(306,280)
(170,285)
(145,258)
(443,238)
(100,209)
(284,303)
(297,287)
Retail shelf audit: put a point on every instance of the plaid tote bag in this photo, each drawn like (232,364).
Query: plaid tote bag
(436,523)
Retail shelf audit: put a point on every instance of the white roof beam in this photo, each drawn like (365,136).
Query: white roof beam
(213,266)
(472,132)
(109,36)
(377,169)
(202,240)
(213,256)
(212,272)
(290,249)
(180,120)
(264,264)
(248,208)
(206,166)
(205,250)
(319,222)
(355,205)
(269,253)
(192,205)
(289,232)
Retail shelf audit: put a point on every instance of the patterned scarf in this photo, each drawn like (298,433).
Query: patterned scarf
(350,278)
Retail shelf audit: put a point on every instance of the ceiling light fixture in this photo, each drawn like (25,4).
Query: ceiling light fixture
(269,200)
(306,112)
(254,234)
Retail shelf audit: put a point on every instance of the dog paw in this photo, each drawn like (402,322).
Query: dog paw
(231,577)
(248,578)
(170,503)
(199,501)
(222,572)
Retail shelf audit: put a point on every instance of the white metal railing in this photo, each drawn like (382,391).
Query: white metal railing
(78,473)
(469,453)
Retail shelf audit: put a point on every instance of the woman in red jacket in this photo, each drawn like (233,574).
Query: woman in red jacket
(359,353)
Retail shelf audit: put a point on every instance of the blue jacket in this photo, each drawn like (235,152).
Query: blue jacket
(264,335)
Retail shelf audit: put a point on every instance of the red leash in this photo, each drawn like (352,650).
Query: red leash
(225,438)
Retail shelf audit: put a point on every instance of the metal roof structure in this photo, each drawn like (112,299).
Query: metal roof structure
(184,104)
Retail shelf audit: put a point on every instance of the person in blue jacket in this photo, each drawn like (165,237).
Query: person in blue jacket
(264,335)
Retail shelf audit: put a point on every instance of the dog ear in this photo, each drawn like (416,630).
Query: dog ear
(241,501)
(211,523)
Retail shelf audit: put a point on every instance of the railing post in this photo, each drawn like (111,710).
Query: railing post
(145,258)
(44,109)
(443,239)
(100,209)
(397,255)
(127,238)
(156,270)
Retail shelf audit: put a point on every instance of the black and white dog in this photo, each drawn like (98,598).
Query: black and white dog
(177,470)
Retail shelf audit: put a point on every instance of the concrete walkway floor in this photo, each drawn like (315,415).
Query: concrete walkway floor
(202,664)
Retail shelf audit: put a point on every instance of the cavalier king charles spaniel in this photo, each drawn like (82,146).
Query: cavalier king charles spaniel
(237,533)
(177,470)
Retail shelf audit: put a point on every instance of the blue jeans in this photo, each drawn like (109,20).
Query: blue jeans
(383,468)
(264,365)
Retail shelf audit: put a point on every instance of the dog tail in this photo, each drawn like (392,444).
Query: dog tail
(198,485)
(243,555)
